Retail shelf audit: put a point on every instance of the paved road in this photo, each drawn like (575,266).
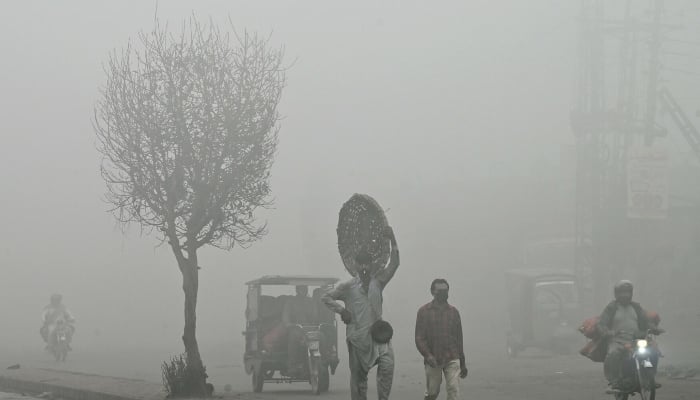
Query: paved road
(535,377)
(492,376)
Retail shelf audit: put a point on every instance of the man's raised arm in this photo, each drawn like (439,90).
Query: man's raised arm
(385,275)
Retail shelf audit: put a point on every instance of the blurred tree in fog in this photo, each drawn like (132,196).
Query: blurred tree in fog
(187,125)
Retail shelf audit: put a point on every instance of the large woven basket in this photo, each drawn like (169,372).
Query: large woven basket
(361,225)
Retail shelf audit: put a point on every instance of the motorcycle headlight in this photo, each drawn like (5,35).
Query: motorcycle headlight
(642,344)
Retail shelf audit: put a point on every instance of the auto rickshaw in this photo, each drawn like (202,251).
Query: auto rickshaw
(544,309)
(266,357)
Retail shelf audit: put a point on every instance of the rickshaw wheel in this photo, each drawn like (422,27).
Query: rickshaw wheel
(647,389)
(324,379)
(258,379)
(314,376)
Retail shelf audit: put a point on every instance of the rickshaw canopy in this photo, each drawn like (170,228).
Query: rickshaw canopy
(535,292)
(294,280)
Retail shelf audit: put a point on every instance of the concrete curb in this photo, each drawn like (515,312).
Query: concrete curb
(78,386)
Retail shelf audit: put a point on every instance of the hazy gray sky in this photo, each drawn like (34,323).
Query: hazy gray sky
(381,96)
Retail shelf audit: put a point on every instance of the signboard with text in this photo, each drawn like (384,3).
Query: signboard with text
(647,182)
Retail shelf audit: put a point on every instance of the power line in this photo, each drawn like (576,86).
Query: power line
(674,53)
(682,41)
(682,71)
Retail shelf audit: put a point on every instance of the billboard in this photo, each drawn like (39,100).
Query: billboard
(647,182)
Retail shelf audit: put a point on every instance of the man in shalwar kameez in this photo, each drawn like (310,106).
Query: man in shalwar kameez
(362,296)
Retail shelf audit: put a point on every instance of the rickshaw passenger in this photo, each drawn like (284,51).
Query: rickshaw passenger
(299,309)
(271,326)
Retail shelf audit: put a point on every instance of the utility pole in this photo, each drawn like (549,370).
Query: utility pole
(587,126)
(606,123)
(654,70)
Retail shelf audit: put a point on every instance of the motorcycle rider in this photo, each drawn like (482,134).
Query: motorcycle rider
(299,309)
(621,322)
(54,312)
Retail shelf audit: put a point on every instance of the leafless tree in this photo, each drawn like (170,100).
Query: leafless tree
(187,125)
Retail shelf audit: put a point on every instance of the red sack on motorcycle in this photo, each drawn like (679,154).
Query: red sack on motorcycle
(595,350)
(589,327)
(653,318)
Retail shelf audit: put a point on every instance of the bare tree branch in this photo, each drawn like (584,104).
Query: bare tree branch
(188,126)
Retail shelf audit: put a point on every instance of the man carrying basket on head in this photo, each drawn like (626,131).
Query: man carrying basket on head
(368,336)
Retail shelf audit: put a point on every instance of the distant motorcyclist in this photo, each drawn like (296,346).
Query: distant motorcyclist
(621,322)
(55,311)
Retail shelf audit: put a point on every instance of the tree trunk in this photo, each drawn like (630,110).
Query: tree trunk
(197,376)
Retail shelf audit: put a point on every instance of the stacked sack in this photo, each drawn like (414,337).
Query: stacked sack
(597,347)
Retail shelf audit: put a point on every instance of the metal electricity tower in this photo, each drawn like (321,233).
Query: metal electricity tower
(619,94)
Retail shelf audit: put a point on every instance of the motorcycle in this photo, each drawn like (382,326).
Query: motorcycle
(639,369)
(317,379)
(60,340)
